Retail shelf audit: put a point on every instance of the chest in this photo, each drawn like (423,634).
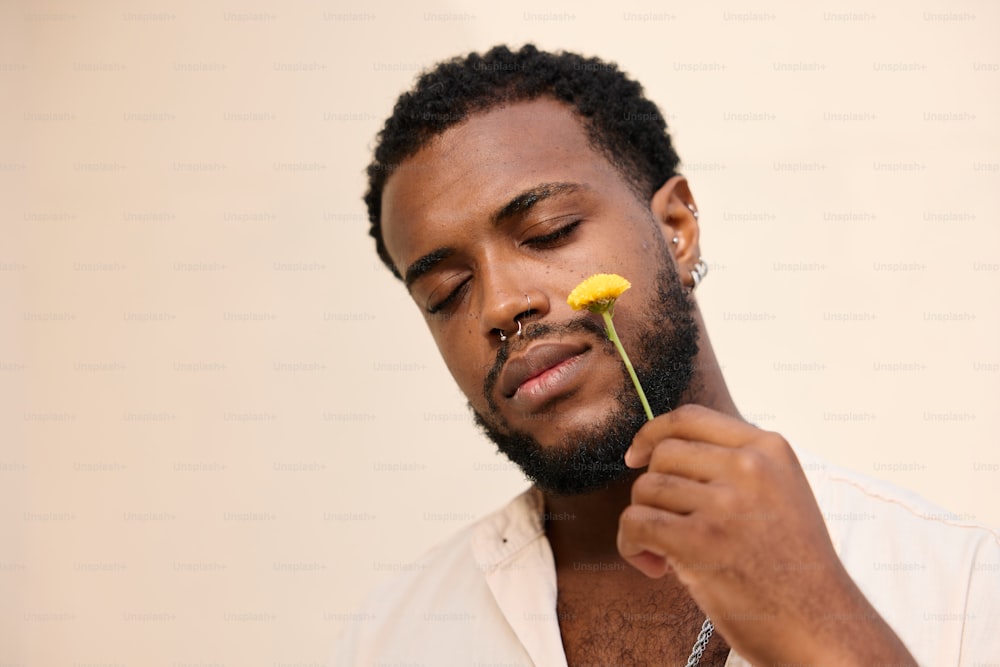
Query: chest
(605,623)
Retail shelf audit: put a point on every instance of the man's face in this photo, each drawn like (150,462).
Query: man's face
(493,223)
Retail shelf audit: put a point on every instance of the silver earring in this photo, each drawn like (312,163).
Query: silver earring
(698,273)
(519,327)
(693,210)
(503,336)
(675,240)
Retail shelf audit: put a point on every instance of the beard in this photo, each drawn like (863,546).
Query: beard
(592,458)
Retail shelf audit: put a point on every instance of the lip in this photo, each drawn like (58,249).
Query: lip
(540,370)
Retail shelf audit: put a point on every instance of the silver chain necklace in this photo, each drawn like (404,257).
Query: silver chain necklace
(699,644)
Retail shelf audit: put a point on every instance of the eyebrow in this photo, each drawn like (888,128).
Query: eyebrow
(425,264)
(523,202)
(517,206)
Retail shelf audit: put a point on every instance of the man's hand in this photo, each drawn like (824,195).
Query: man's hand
(728,508)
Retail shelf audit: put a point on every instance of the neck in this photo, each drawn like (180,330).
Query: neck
(584,527)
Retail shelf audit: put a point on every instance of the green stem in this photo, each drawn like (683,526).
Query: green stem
(613,337)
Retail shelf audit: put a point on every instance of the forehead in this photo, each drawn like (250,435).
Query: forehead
(476,166)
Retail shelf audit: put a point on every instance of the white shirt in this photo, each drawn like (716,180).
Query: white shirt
(487,596)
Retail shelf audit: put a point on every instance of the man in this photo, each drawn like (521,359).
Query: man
(499,183)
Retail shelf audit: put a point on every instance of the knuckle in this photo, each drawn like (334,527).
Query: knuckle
(641,488)
(653,485)
(644,484)
(660,456)
(643,437)
(639,521)
(750,462)
(706,531)
(774,443)
(688,410)
(630,518)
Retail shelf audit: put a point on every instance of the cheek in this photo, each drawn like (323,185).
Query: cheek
(466,357)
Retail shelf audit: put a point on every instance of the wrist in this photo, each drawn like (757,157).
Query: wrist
(851,632)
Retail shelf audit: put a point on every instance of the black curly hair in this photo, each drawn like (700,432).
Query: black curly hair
(620,121)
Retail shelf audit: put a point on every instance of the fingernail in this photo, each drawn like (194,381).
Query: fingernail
(628,457)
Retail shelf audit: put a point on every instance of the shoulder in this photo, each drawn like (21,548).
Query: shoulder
(477,548)
(445,590)
(933,575)
(855,505)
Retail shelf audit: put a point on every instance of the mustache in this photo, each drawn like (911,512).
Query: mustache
(537,331)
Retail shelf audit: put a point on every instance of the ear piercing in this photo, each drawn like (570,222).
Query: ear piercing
(699,272)
(700,269)
(694,212)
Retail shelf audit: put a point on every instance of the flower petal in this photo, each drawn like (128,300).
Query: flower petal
(598,292)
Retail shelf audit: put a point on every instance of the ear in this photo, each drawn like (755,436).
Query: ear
(677,214)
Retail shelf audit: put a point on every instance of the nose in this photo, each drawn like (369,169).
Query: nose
(506,311)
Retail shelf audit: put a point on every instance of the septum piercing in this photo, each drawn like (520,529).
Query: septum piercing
(503,336)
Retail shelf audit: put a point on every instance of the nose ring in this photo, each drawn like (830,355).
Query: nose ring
(520,327)
(526,312)
(503,336)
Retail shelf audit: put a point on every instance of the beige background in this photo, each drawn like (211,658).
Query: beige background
(223,421)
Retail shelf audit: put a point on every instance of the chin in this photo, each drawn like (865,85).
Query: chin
(579,458)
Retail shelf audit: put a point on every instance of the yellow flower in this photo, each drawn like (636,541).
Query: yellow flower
(598,292)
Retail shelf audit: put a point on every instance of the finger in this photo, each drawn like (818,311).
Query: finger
(642,528)
(698,461)
(689,422)
(651,565)
(673,493)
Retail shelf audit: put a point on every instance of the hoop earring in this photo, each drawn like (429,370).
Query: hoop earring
(698,273)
